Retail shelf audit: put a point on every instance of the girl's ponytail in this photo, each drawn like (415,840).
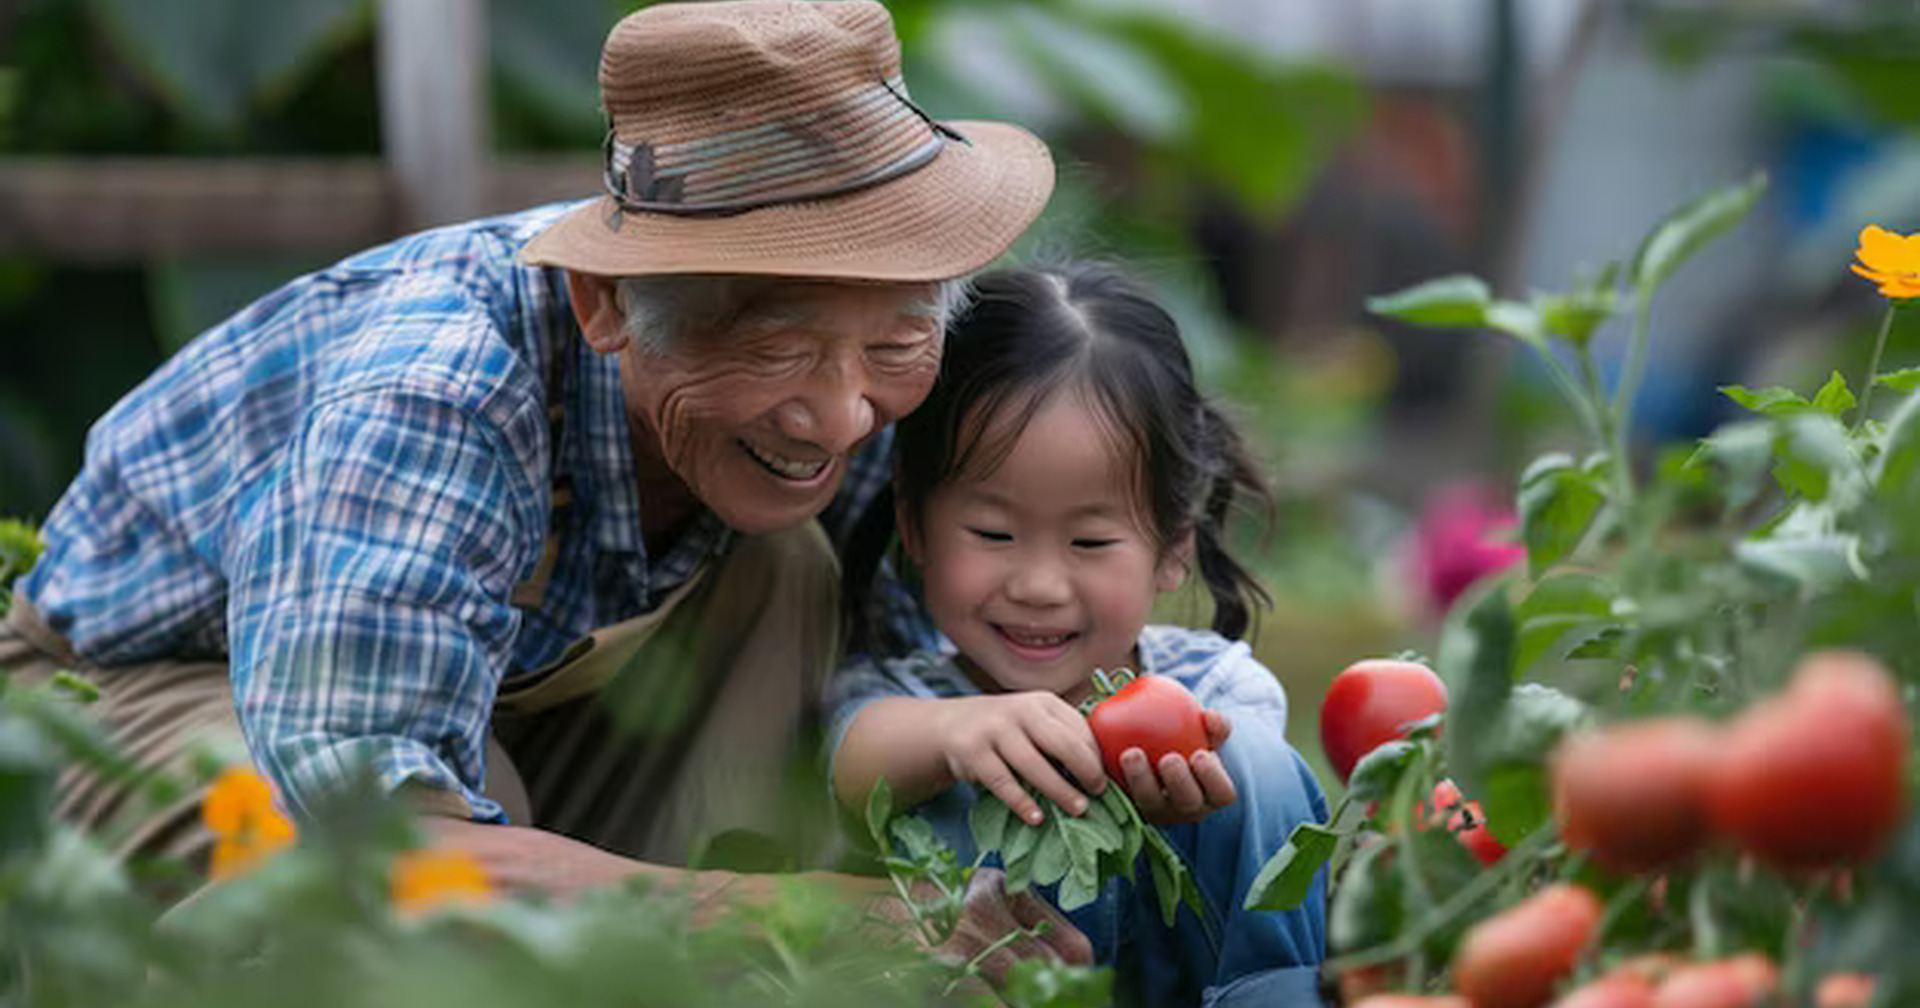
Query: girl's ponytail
(1230,474)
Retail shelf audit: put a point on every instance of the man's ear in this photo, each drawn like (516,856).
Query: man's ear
(1174,565)
(596,306)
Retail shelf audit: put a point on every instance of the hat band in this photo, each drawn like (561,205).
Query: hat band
(874,135)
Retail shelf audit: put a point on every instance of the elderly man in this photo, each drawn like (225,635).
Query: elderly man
(425,510)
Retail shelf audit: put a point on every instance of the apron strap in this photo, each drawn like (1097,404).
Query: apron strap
(530,593)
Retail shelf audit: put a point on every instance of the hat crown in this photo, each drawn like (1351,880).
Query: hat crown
(685,71)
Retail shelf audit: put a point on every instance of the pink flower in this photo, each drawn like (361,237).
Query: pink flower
(1464,534)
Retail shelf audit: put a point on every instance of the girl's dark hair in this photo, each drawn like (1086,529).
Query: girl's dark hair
(1028,333)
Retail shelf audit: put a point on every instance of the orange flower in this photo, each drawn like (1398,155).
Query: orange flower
(246,825)
(423,879)
(1890,260)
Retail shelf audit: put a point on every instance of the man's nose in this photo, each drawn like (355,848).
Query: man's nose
(833,412)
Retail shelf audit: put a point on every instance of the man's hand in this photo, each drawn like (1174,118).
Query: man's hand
(1183,790)
(1000,740)
(989,913)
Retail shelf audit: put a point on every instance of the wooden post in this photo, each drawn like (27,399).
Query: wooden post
(433,107)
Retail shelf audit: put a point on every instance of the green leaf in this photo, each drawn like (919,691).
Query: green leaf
(1172,882)
(1745,450)
(1688,229)
(213,58)
(1368,905)
(1518,801)
(1770,401)
(1814,457)
(1557,503)
(1575,317)
(1476,661)
(1451,302)
(1287,877)
(879,811)
(1379,771)
(1813,564)
(1080,887)
(1563,610)
(1022,837)
(1533,721)
(1834,398)
(915,835)
(1118,80)
(987,821)
(1103,831)
(1050,855)
(1520,321)
(1903,380)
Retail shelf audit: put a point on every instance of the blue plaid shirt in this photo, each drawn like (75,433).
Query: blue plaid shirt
(340,486)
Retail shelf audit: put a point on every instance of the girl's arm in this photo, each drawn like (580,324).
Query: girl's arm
(923,746)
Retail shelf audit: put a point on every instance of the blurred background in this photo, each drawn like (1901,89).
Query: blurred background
(1267,164)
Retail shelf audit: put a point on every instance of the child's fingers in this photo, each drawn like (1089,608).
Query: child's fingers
(1142,786)
(1218,728)
(1037,770)
(1070,741)
(1184,795)
(1214,780)
(1006,786)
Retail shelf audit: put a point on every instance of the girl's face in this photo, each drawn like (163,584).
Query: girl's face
(1042,571)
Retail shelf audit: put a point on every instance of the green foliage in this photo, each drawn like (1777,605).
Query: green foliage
(1693,591)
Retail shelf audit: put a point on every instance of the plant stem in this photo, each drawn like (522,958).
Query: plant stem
(1629,388)
(1461,900)
(1873,368)
(972,966)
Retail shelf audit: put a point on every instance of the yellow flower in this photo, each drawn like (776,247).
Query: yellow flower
(424,879)
(1890,260)
(240,813)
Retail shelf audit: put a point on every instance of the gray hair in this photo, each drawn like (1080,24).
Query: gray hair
(661,311)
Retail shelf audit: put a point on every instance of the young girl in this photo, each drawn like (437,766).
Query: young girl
(1063,472)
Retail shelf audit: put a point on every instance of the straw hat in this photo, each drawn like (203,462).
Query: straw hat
(776,137)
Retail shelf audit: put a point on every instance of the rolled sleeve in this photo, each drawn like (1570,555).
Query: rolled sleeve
(368,610)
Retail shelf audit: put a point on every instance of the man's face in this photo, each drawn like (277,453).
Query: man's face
(759,421)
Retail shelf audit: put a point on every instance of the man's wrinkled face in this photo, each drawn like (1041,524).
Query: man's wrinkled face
(759,420)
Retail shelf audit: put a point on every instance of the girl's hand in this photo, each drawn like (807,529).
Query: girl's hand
(1001,740)
(1184,790)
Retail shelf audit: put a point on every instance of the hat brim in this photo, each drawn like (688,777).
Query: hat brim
(950,217)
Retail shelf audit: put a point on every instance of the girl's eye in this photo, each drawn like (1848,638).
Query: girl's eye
(1093,544)
(991,535)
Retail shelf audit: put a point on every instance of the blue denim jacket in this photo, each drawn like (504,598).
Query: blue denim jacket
(1232,956)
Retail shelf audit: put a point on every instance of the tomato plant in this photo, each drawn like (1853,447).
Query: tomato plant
(1373,701)
(1465,820)
(1152,712)
(1515,959)
(1816,775)
(1692,700)
(1615,990)
(1634,794)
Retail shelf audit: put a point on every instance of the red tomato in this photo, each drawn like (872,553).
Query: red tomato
(1153,712)
(1814,777)
(1465,821)
(1843,990)
(1372,702)
(1740,982)
(1514,958)
(1615,990)
(1635,794)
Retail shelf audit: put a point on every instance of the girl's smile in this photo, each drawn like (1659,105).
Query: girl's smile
(1040,571)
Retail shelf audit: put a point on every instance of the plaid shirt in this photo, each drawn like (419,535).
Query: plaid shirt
(340,486)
